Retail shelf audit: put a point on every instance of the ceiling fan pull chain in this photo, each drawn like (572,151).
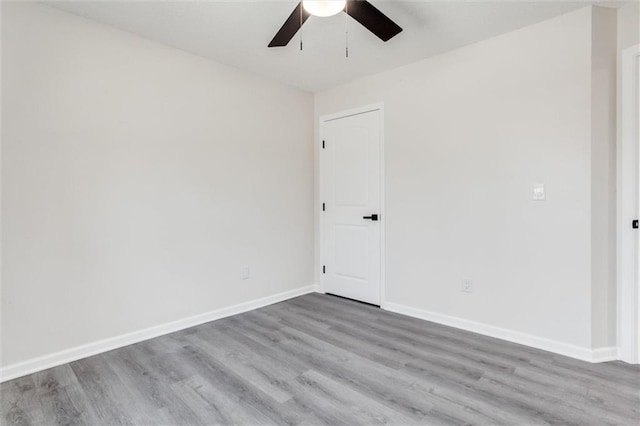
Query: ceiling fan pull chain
(346,28)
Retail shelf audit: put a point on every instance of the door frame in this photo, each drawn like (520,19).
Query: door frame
(379,106)
(628,165)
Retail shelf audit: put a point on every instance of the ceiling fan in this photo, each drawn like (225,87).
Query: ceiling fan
(360,10)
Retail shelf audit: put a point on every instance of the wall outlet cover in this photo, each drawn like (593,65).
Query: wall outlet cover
(245,273)
(539,192)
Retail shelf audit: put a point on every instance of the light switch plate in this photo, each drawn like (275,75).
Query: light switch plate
(539,192)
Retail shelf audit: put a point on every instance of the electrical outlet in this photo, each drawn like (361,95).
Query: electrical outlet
(467,285)
(539,192)
(245,273)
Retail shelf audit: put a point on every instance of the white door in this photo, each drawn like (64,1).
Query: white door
(636,114)
(351,196)
(629,208)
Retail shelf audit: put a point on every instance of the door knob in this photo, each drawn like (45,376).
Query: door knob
(373,217)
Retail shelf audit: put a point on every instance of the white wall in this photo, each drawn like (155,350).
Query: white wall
(603,176)
(137,180)
(467,134)
(628,25)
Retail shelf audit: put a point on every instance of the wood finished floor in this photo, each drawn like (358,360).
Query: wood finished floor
(319,359)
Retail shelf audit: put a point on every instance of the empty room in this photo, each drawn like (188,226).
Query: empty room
(320,212)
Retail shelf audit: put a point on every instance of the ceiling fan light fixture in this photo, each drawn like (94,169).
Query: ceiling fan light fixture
(324,8)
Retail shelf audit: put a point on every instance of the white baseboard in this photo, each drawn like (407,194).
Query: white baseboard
(561,348)
(58,358)
(605,354)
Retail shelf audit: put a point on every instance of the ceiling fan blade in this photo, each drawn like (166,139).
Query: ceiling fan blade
(372,19)
(290,27)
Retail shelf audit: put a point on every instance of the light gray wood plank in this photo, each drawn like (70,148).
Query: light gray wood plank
(319,359)
(261,373)
(20,403)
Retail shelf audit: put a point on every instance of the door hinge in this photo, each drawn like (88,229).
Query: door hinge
(323,207)
(322,144)
(635,224)
(324,269)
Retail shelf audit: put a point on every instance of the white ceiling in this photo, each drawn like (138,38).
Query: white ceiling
(237,32)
